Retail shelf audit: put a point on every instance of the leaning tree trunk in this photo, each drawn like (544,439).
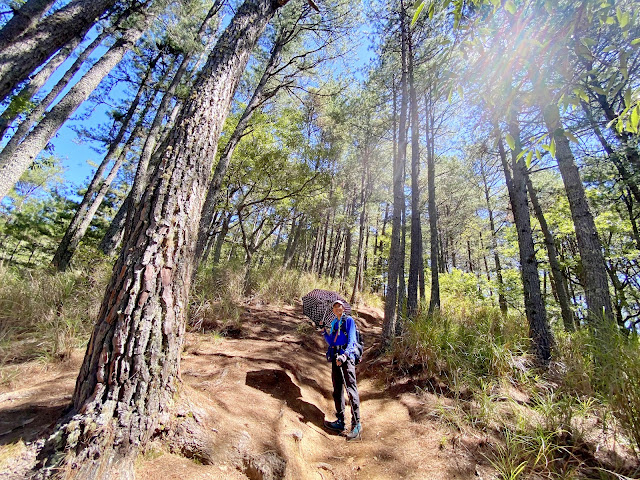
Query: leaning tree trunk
(39,110)
(13,167)
(98,187)
(258,97)
(24,18)
(559,281)
(35,83)
(539,331)
(416,228)
(24,54)
(395,254)
(140,180)
(594,272)
(357,284)
(128,377)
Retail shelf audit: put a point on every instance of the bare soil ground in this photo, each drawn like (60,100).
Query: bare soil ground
(262,393)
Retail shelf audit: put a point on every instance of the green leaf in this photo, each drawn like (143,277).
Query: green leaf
(610,21)
(460,92)
(538,155)
(570,136)
(627,97)
(552,148)
(527,161)
(510,141)
(635,41)
(510,7)
(417,14)
(608,49)
(623,17)
(634,119)
(588,42)
(432,9)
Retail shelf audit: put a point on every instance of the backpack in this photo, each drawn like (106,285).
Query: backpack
(359,342)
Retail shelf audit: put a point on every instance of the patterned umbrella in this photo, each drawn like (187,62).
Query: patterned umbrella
(317,305)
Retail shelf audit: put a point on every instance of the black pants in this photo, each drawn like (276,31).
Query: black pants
(346,378)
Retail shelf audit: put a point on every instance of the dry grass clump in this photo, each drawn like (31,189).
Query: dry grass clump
(46,315)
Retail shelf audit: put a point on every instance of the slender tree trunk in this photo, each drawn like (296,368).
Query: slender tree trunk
(357,284)
(30,89)
(98,188)
(502,301)
(416,227)
(539,331)
(559,282)
(113,235)
(36,114)
(128,377)
(434,301)
(25,53)
(217,251)
(12,168)
(395,253)
(594,272)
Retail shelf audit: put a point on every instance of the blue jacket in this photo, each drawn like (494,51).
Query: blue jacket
(338,341)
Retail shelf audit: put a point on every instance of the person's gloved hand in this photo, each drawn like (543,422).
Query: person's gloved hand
(340,359)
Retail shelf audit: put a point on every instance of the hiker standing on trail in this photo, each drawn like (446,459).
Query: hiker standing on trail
(341,353)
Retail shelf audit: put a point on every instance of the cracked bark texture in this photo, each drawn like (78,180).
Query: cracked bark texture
(125,388)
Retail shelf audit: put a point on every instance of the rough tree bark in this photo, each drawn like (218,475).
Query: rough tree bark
(124,391)
(539,331)
(24,54)
(24,18)
(258,98)
(11,168)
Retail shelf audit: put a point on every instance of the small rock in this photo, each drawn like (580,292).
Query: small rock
(297,435)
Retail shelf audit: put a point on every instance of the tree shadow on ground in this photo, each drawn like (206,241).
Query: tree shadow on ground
(279,385)
(28,422)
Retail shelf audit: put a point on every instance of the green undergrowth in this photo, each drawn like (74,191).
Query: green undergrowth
(45,315)
(539,423)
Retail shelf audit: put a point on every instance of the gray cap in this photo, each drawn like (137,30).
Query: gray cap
(338,301)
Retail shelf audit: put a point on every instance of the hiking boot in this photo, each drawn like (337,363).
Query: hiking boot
(337,426)
(356,432)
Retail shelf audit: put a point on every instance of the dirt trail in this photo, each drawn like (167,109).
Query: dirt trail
(263,394)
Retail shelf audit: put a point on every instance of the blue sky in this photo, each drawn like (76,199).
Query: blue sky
(79,157)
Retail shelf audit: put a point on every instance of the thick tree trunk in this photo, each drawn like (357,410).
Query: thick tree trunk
(98,188)
(395,253)
(539,331)
(12,168)
(155,131)
(128,377)
(594,272)
(416,226)
(24,54)
(559,282)
(24,18)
